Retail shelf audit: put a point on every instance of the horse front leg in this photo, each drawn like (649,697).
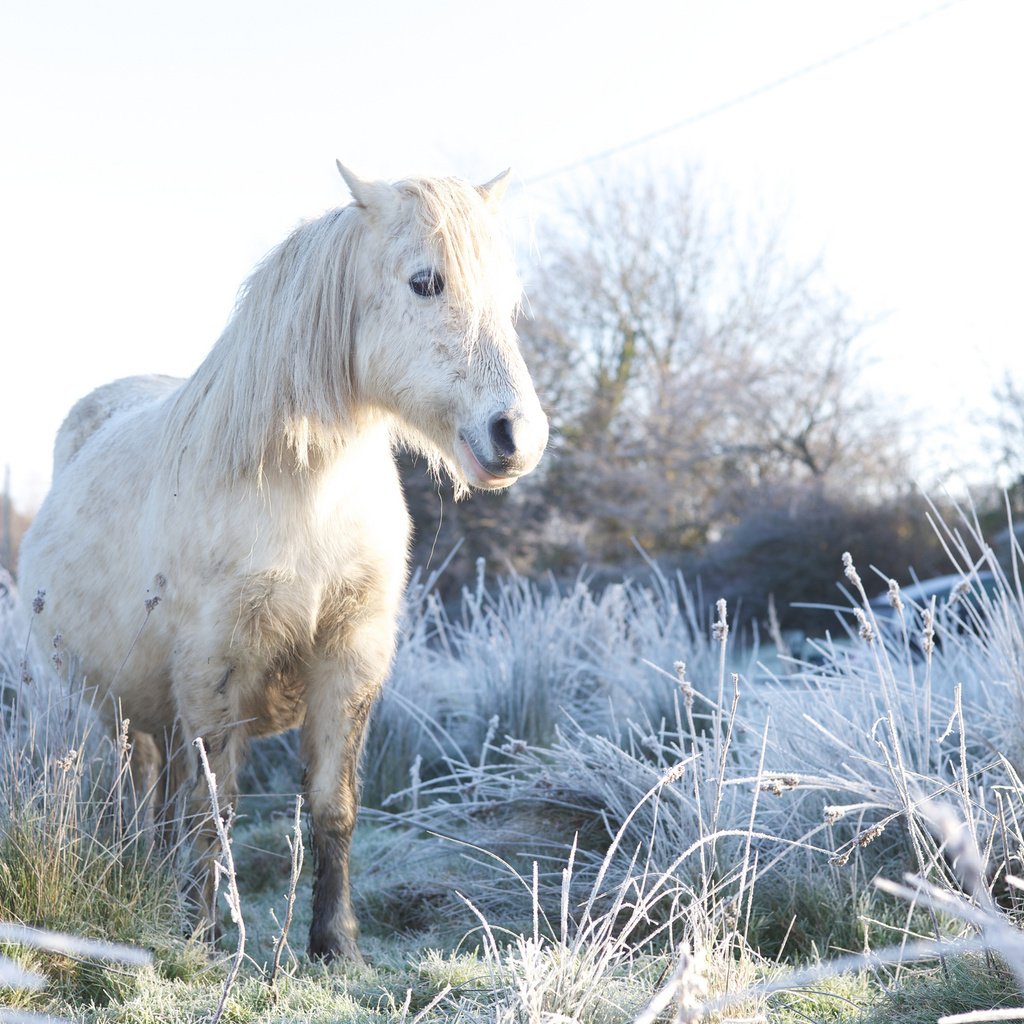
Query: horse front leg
(340,695)
(208,710)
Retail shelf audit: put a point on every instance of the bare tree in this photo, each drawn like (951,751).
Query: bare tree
(684,368)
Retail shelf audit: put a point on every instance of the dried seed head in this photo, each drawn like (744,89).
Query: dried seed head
(720,630)
(39,602)
(848,568)
(680,667)
(123,738)
(839,859)
(152,602)
(866,630)
(674,774)
(894,596)
(928,634)
(778,784)
(869,835)
(833,813)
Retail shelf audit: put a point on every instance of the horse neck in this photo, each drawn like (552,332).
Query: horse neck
(276,389)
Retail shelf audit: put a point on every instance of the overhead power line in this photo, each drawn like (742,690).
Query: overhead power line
(743,97)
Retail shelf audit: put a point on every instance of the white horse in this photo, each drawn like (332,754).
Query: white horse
(250,520)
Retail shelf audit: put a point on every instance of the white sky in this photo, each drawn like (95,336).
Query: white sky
(153,153)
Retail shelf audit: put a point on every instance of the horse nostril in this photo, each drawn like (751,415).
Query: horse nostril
(502,437)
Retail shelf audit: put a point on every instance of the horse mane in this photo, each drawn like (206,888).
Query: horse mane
(279,385)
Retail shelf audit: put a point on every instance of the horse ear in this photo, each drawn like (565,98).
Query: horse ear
(372,196)
(494,190)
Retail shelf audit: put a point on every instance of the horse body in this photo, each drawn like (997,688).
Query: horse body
(227,554)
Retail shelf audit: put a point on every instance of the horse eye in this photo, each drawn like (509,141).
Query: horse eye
(427,283)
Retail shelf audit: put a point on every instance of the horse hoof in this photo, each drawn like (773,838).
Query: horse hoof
(328,949)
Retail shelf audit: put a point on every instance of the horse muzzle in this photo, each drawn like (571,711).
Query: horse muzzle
(510,447)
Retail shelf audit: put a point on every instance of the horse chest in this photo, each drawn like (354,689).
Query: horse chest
(283,613)
(303,563)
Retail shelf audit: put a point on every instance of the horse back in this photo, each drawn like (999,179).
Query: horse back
(88,414)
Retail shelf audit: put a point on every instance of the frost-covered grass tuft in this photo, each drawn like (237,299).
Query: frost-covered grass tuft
(72,857)
(596,806)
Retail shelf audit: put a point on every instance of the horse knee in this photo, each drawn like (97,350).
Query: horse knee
(143,764)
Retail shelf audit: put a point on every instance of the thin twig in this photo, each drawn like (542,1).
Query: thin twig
(295,844)
(436,1001)
(228,868)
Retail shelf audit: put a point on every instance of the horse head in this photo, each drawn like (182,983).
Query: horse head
(435,341)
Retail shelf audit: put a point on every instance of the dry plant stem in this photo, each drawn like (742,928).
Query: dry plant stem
(404,1008)
(234,902)
(723,754)
(443,994)
(996,933)
(72,945)
(924,949)
(977,1016)
(295,843)
(28,1017)
(898,773)
(694,754)
(685,987)
(13,976)
(745,867)
(150,605)
(721,632)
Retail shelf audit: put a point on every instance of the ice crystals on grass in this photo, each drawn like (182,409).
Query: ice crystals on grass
(675,773)
(869,835)
(866,630)
(778,784)
(680,667)
(720,630)
(850,570)
(928,634)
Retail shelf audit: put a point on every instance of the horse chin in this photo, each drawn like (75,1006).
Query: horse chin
(475,475)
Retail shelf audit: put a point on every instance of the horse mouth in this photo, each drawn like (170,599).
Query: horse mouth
(477,474)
